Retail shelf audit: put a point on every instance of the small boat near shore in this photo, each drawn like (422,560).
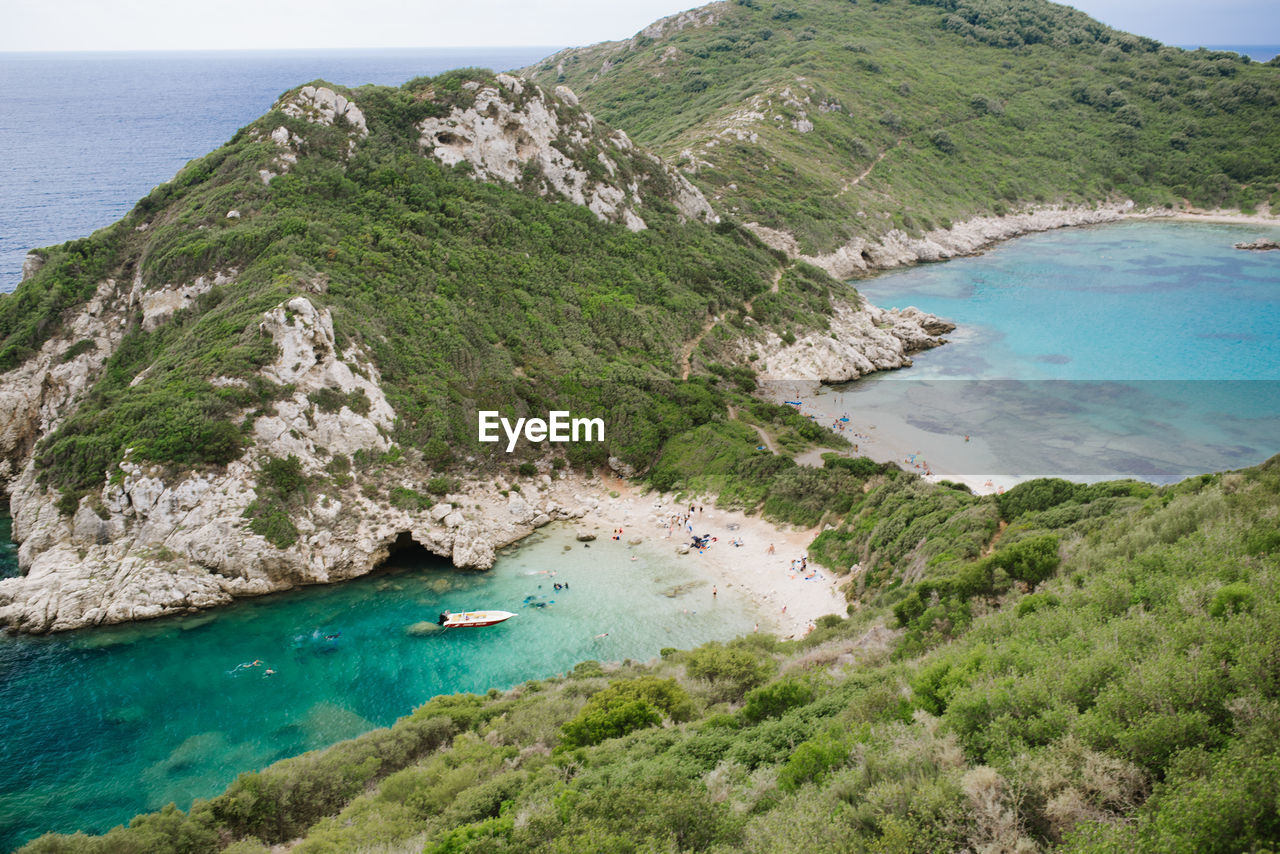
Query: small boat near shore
(472,619)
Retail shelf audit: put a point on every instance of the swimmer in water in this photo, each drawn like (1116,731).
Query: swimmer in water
(602,635)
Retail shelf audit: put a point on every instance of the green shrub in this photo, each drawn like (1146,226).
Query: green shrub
(812,760)
(1033,496)
(409,499)
(1234,598)
(625,707)
(731,671)
(770,701)
(1031,560)
(282,476)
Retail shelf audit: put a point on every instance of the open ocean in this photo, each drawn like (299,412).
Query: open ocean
(1256,52)
(83,136)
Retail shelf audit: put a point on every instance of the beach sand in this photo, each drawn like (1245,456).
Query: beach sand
(1226,217)
(789,602)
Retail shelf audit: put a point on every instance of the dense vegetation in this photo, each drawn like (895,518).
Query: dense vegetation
(465,294)
(1079,667)
(925,112)
(1098,673)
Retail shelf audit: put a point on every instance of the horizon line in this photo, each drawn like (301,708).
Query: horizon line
(6,52)
(279,49)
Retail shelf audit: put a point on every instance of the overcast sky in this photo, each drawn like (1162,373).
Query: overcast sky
(300,24)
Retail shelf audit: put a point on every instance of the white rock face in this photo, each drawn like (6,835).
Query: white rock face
(964,238)
(317,105)
(31,265)
(323,106)
(38,394)
(514,126)
(160,304)
(858,342)
(703,16)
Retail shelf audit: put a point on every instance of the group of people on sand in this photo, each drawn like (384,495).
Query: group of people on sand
(919,465)
(682,520)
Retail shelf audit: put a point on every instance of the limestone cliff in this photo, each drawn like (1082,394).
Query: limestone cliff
(514,132)
(859,341)
(140,539)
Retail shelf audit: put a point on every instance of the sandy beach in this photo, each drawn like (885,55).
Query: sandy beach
(788,600)
(1226,217)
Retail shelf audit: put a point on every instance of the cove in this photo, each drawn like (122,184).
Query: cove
(100,725)
(1145,349)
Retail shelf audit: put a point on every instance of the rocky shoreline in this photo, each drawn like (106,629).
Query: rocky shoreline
(897,248)
(151,543)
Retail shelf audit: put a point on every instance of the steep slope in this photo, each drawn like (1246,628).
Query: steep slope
(882,128)
(269,372)
(1102,678)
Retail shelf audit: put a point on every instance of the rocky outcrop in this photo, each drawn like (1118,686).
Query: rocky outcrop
(318,105)
(31,265)
(897,248)
(152,542)
(322,106)
(514,132)
(1260,245)
(859,341)
(38,394)
(158,547)
(160,304)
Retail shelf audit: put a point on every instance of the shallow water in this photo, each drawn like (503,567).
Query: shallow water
(103,724)
(1139,349)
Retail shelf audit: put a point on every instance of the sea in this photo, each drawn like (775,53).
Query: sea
(83,136)
(101,725)
(1141,349)
(1164,318)
(1256,52)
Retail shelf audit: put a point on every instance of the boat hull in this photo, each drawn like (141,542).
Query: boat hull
(474,619)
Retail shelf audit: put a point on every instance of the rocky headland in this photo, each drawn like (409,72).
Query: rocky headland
(154,540)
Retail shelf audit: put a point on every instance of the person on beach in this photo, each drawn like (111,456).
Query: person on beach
(713,591)
(769,550)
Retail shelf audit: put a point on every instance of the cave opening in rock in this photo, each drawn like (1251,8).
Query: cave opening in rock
(404,552)
(866,257)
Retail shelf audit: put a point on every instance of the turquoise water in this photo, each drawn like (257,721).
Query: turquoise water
(101,725)
(1139,349)
(1125,301)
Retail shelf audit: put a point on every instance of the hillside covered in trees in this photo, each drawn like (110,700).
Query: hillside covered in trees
(834,120)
